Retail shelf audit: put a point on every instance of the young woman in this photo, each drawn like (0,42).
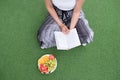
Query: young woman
(63,16)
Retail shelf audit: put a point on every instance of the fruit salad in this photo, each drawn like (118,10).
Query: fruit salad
(47,63)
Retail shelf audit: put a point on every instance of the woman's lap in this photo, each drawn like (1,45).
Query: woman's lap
(46,32)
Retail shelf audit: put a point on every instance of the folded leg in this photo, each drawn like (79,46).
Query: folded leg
(84,31)
(46,33)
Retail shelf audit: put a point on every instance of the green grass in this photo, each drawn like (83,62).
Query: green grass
(19,49)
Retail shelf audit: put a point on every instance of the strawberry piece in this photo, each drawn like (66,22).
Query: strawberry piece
(51,57)
(43,69)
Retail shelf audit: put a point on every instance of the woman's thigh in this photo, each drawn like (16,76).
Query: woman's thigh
(46,32)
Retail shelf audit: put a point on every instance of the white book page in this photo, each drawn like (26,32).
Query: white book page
(67,41)
(73,39)
(61,41)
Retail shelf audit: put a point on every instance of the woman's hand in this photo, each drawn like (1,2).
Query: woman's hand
(64,29)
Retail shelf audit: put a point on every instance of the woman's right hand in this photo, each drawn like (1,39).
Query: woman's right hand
(64,29)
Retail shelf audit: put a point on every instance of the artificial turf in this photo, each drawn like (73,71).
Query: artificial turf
(19,49)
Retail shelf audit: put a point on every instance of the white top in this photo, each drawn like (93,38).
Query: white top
(64,4)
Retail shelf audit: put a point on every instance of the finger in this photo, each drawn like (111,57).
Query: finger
(67,31)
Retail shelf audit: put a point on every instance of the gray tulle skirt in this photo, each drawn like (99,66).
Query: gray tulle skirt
(46,36)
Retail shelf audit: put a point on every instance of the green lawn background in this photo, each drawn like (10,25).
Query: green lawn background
(19,49)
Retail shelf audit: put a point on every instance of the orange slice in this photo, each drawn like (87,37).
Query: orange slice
(43,59)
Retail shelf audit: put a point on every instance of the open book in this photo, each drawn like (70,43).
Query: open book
(67,41)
